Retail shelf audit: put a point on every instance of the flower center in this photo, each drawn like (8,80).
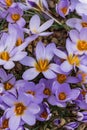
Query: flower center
(5,124)
(18,42)
(31,92)
(44,115)
(47,91)
(64,10)
(8,86)
(19,108)
(82,45)
(42,65)
(84,24)
(15,17)
(83,92)
(8,2)
(73,60)
(61,78)
(62,96)
(4,55)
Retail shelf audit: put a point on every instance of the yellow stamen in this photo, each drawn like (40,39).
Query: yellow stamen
(82,45)
(62,96)
(44,115)
(47,91)
(8,86)
(73,60)
(31,92)
(18,42)
(61,78)
(19,108)
(64,10)
(15,17)
(4,55)
(8,2)
(5,124)
(42,65)
(84,24)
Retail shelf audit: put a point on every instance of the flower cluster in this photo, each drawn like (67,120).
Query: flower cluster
(51,76)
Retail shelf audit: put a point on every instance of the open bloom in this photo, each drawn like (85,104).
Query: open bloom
(70,60)
(42,63)
(20,110)
(62,8)
(62,94)
(35,27)
(7,3)
(77,23)
(79,41)
(8,51)
(15,16)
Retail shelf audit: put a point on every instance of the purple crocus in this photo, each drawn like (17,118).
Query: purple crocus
(44,113)
(7,82)
(72,125)
(41,64)
(82,116)
(79,41)
(77,23)
(15,16)
(30,90)
(70,60)
(62,8)
(19,110)
(35,27)
(62,94)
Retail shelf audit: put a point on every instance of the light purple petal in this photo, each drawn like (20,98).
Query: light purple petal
(74,36)
(21,22)
(49,74)
(83,34)
(83,68)
(66,67)
(28,61)
(55,68)
(34,23)
(60,53)
(46,25)
(74,94)
(40,51)
(34,108)
(45,33)
(14,122)
(30,74)
(9,65)
(29,118)
(19,56)
(69,46)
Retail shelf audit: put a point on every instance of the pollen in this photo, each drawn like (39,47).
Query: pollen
(19,109)
(84,24)
(31,92)
(4,55)
(8,86)
(8,2)
(62,96)
(47,91)
(82,45)
(73,60)
(64,10)
(44,115)
(18,42)
(42,65)
(5,124)
(15,17)
(61,78)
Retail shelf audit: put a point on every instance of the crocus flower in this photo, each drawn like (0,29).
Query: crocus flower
(7,3)
(70,60)
(82,116)
(62,8)
(71,125)
(7,82)
(35,27)
(62,94)
(79,41)
(44,113)
(77,23)
(9,53)
(32,91)
(15,16)
(41,64)
(20,109)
